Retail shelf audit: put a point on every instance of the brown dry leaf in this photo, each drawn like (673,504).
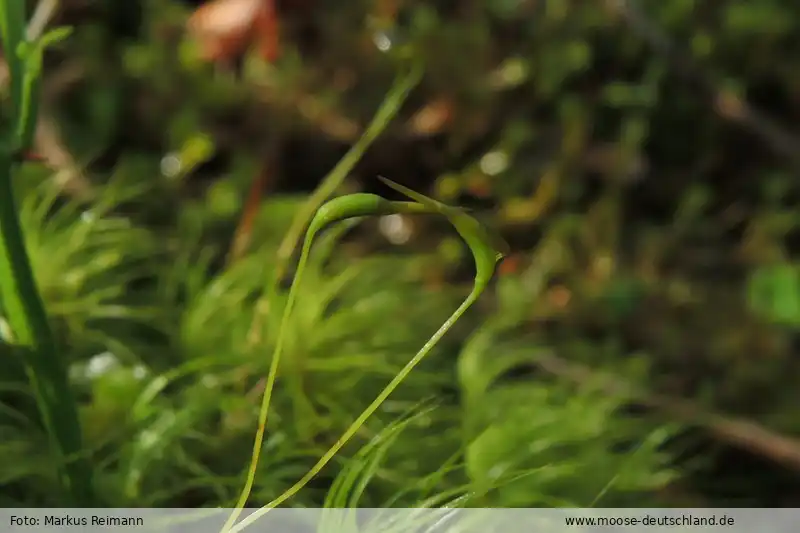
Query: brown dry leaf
(226,28)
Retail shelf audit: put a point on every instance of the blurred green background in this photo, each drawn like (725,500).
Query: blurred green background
(639,347)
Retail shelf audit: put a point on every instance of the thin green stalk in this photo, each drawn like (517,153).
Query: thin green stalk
(266,400)
(387,111)
(317,216)
(368,412)
(338,209)
(21,299)
(487,250)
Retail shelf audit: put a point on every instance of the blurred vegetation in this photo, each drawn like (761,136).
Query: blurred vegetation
(639,348)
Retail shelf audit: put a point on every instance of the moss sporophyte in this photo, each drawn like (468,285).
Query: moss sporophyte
(487,250)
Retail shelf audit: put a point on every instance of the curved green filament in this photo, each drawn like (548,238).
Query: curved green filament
(337,210)
(485,251)
(369,411)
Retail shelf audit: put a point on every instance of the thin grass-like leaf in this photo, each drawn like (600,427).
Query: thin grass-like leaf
(350,484)
(21,298)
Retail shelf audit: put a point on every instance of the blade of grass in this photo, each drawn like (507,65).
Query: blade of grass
(21,299)
(337,210)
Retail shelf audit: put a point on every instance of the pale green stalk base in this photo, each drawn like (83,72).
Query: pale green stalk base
(369,411)
(390,107)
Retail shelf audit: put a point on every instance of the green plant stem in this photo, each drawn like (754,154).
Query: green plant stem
(21,300)
(387,111)
(369,411)
(266,398)
(342,209)
(48,377)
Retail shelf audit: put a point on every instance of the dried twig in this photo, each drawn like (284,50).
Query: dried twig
(741,433)
(242,235)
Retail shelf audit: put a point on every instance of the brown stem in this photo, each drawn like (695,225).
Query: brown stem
(243,234)
(741,433)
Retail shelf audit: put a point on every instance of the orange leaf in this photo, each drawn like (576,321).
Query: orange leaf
(226,28)
(267,32)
